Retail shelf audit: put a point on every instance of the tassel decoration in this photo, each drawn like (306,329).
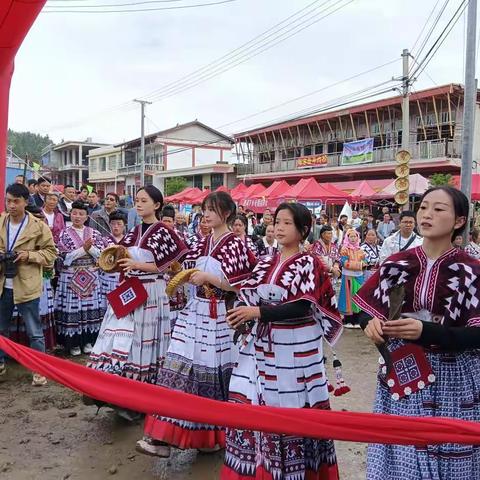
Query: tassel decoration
(341,387)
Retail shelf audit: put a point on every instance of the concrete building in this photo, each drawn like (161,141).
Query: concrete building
(285,150)
(103,166)
(191,150)
(67,162)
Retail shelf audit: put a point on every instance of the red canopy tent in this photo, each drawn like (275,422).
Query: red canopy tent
(363,193)
(241,187)
(177,197)
(475,185)
(199,197)
(308,189)
(275,190)
(222,188)
(253,189)
(16,18)
(267,198)
(336,191)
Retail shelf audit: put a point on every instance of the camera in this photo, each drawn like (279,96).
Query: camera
(7,260)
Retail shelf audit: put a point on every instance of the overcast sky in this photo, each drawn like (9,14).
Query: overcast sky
(72,68)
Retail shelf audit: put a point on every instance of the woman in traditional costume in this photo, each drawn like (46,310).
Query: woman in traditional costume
(267,245)
(53,216)
(473,247)
(110,280)
(239,228)
(179,298)
(292,305)
(202,230)
(372,253)
(352,261)
(328,252)
(426,313)
(134,345)
(201,355)
(78,299)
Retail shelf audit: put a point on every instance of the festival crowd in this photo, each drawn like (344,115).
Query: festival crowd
(235,308)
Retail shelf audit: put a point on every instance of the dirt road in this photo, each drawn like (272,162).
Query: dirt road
(48,434)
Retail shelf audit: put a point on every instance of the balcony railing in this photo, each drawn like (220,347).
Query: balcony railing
(72,166)
(134,169)
(424,150)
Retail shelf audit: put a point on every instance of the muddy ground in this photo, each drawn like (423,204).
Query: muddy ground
(48,434)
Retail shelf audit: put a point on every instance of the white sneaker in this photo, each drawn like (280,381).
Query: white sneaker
(38,380)
(148,447)
(75,352)
(87,348)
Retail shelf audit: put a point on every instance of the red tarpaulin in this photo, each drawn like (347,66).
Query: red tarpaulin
(363,193)
(198,197)
(16,18)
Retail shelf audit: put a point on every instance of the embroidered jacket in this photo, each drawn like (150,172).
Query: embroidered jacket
(303,277)
(165,245)
(235,259)
(448,289)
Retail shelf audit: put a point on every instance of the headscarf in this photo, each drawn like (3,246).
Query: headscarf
(346,240)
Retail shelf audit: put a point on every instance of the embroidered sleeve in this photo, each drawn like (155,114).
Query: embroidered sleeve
(373,296)
(166,246)
(236,260)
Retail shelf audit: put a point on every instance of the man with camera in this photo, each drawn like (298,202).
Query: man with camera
(26,247)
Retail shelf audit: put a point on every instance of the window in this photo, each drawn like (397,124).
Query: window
(307,150)
(93,165)
(264,157)
(102,164)
(197,181)
(216,180)
(318,148)
(112,162)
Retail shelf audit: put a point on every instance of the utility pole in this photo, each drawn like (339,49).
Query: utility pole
(142,139)
(469,103)
(405,101)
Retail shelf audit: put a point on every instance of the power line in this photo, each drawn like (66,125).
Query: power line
(309,94)
(441,39)
(245,46)
(220,2)
(425,25)
(127,106)
(110,5)
(245,57)
(432,29)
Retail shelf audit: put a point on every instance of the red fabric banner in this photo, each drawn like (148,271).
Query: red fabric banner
(151,399)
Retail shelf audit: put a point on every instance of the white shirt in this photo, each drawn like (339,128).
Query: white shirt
(50,217)
(395,243)
(356,222)
(14,228)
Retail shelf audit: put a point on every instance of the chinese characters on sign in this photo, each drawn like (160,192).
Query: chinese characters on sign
(312,161)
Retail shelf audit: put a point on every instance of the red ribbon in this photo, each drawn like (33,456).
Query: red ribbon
(151,399)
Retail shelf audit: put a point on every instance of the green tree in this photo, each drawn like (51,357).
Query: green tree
(28,143)
(174,185)
(439,179)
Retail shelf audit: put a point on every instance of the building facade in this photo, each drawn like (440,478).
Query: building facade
(192,150)
(287,149)
(103,166)
(67,162)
